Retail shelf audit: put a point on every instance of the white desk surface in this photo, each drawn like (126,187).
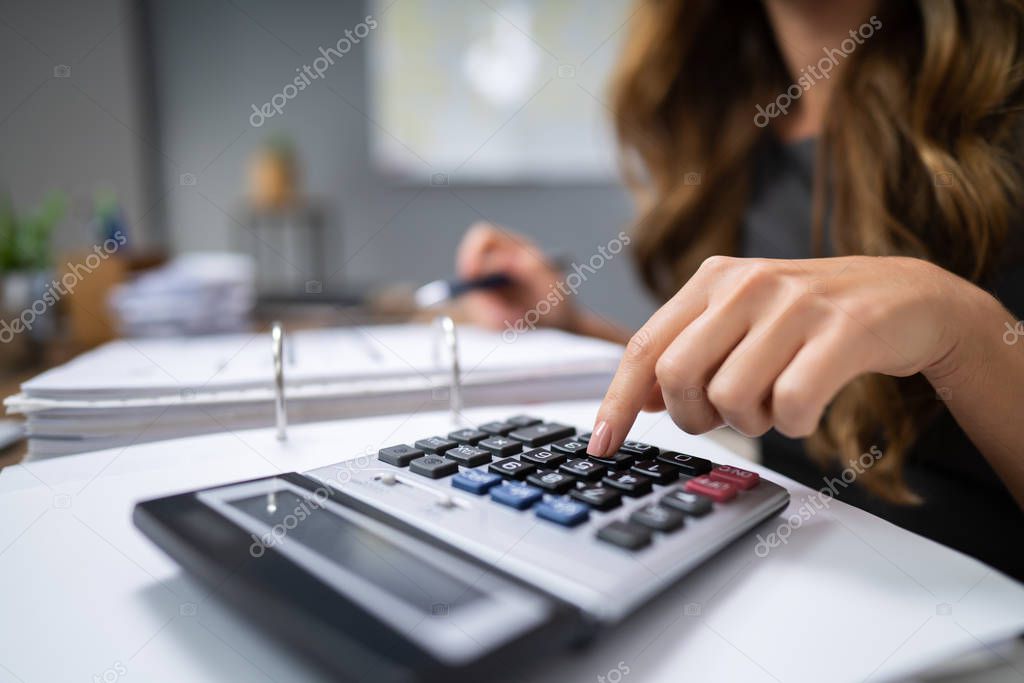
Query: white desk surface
(85,596)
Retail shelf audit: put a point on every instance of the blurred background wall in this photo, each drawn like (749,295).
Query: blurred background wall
(157,105)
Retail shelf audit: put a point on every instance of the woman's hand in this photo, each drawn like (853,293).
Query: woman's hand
(757,343)
(487,249)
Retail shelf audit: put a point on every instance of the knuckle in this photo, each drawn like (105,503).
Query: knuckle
(755,276)
(693,419)
(728,394)
(791,409)
(669,370)
(638,349)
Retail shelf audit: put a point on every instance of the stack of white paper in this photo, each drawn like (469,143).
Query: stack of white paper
(132,391)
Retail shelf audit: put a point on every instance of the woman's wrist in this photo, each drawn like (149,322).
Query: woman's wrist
(976,322)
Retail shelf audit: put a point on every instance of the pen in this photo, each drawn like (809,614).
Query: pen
(439,291)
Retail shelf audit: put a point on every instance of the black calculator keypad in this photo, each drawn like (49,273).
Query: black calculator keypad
(501,446)
(544,467)
(469,456)
(542,434)
(400,455)
(510,468)
(433,466)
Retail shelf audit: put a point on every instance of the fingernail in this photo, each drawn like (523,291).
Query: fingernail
(599,439)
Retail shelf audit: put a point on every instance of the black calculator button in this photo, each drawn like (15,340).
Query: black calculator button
(400,455)
(583,468)
(640,449)
(569,446)
(552,481)
(597,497)
(630,483)
(433,466)
(658,471)
(501,446)
(625,535)
(542,434)
(621,460)
(469,456)
(436,444)
(470,437)
(497,428)
(585,438)
(684,501)
(523,420)
(542,457)
(689,465)
(657,517)
(510,468)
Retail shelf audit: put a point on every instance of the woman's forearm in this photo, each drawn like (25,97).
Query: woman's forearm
(982,382)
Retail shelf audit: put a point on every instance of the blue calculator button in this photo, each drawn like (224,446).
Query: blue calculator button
(475,481)
(563,511)
(516,494)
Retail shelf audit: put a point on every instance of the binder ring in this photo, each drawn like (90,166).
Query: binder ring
(277,337)
(448,331)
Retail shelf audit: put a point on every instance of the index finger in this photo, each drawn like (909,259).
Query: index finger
(633,381)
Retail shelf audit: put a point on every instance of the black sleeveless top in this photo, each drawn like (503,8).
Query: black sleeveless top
(966,506)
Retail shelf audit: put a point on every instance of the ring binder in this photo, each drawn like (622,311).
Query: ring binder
(280,412)
(449,337)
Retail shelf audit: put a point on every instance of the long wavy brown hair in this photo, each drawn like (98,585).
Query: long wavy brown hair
(921,144)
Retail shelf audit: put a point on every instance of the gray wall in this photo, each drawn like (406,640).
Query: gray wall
(212,60)
(80,133)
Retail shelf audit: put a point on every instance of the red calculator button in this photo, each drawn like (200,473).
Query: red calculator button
(741,479)
(718,491)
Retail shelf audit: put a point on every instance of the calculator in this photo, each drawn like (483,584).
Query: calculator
(447,557)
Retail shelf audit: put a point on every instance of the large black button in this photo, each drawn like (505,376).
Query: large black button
(544,433)
(657,517)
(501,446)
(511,468)
(400,455)
(658,471)
(597,496)
(584,469)
(620,460)
(640,449)
(550,480)
(542,457)
(497,428)
(684,501)
(433,466)
(625,535)
(630,483)
(523,420)
(469,456)
(468,436)
(435,444)
(569,446)
(689,465)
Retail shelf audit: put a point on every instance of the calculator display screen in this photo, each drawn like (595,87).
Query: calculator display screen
(295,519)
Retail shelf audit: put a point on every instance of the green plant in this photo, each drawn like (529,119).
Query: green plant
(25,240)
